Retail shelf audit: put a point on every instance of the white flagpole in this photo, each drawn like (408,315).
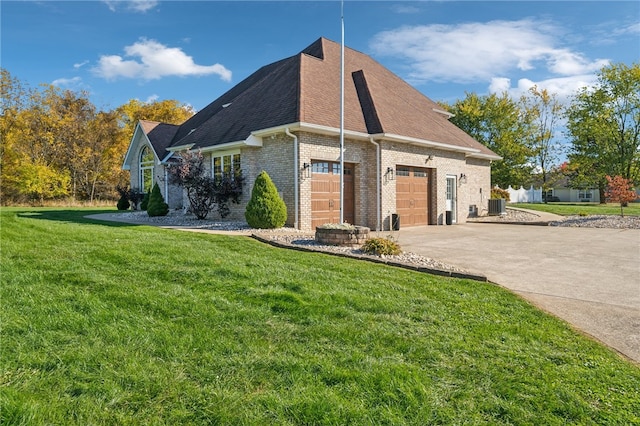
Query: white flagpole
(342,114)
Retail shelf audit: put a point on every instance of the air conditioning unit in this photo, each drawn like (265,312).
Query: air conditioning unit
(497,206)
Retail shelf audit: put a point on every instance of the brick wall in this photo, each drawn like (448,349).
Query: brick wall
(276,158)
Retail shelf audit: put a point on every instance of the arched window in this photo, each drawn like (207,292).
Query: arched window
(146,169)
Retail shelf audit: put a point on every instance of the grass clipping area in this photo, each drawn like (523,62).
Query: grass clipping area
(118,324)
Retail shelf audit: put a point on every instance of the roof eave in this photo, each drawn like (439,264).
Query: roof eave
(424,142)
(483,156)
(309,127)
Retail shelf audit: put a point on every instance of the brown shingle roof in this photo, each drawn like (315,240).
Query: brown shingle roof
(306,88)
(160,135)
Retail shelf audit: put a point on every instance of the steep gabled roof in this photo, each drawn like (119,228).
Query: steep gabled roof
(160,135)
(305,88)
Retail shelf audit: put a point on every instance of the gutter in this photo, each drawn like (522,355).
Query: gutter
(296,172)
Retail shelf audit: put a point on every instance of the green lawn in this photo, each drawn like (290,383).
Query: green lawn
(569,209)
(117,324)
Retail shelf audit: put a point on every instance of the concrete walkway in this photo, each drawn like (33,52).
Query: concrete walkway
(588,277)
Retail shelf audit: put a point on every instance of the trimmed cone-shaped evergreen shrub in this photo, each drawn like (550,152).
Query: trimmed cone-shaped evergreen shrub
(265,210)
(144,204)
(123,202)
(157,206)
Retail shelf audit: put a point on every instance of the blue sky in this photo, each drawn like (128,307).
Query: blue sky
(195,51)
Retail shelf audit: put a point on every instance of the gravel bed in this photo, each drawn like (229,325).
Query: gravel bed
(404,257)
(591,221)
(598,221)
(176,218)
(511,215)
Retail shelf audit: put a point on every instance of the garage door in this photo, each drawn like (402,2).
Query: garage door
(412,195)
(325,193)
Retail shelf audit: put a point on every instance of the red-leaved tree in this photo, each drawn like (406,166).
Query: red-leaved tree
(620,190)
(204,191)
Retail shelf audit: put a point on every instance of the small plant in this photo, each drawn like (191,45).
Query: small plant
(583,214)
(265,210)
(123,201)
(157,206)
(500,193)
(381,246)
(135,196)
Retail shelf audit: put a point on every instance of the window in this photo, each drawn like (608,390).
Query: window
(228,165)
(584,195)
(322,167)
(147,161)
(402,171)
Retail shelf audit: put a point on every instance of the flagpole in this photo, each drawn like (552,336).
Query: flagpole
(342,113)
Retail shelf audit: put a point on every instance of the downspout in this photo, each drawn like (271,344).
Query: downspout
(378,196)
(296,172)
(166,185)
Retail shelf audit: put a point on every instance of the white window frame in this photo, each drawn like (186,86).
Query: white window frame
(146,166)
(228,161)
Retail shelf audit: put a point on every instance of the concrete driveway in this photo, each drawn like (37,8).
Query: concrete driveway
(588,277)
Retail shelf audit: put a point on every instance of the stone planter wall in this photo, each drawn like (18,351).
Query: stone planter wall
(343,237)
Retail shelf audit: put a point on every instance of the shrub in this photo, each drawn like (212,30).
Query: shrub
(135,196)
(381,246)
(157,206)
(203,191)
(500,193)
(123,202)
(265,209)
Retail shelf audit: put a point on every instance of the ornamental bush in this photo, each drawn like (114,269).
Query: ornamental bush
(500,193)
(203,191)
(381,246)
(123,202)
(265,210)
(157,206)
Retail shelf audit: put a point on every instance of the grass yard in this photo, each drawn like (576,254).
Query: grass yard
(118,324)
(570,209)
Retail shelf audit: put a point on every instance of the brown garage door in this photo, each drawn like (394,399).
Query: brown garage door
(412,195)
(325,193)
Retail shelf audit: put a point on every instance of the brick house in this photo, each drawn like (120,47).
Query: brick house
(403,158)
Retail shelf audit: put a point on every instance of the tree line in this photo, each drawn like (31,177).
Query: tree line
(55,143)
(602,130)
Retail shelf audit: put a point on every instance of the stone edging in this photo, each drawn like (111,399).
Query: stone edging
(423,269)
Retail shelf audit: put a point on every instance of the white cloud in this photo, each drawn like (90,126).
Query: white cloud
(152,60)
(134,5)
(628,29)
(500,85)
(475,52)
(67,82)
(152,98)
(563,87)
(80,64)
(405,8)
